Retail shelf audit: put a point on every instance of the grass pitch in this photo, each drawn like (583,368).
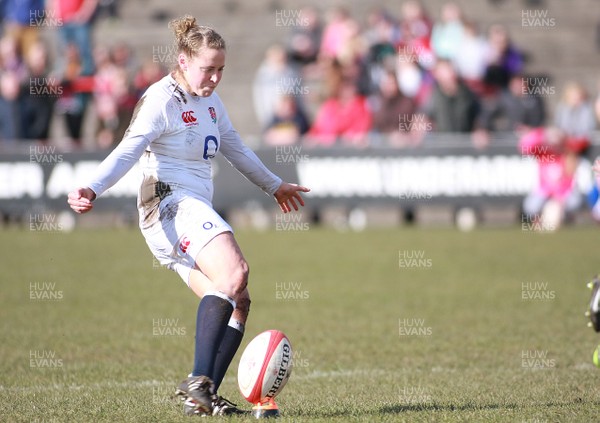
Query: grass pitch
(396,325)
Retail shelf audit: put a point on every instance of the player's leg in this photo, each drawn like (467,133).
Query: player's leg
(222,262)
(200,284)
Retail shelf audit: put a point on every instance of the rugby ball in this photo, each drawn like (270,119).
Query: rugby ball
(265,367)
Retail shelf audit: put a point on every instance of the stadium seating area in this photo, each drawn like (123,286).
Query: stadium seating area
(554,39)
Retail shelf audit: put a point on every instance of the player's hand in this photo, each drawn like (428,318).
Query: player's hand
(81,199)
(288,196)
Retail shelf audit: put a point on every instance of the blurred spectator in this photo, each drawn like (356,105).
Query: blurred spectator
(381,39)
(504,60)
(10,113)
(10,59)
(12,71)
(382,29)
(40,93)
(514,109)
(557,165)
(447,35)
(471,59)
(452,106)
(274,79)
(342,41)
(110,89)
(393,113)
(76,95)
(338,35)
(149,73)
(575,114)
(76,17)
(412,80)
(304,41)
(416,24)
(22,19)
(344,117)
(416,31)
(288,124)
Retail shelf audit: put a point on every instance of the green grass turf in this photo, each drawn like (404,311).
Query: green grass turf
(483,353)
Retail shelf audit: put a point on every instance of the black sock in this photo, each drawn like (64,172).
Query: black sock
(229,346)
(214,313)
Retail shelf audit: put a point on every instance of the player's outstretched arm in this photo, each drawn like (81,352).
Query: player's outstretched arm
(288,196)
(81,199)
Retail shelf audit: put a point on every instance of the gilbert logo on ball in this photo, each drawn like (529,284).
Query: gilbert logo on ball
(265,367)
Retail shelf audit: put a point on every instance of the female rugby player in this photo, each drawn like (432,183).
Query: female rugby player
(178,126)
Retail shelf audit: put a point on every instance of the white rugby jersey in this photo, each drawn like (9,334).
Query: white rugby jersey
(175,135)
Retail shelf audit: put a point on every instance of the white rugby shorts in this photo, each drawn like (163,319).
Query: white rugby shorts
(184,226)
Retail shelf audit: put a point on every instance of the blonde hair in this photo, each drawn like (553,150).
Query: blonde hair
(190,38)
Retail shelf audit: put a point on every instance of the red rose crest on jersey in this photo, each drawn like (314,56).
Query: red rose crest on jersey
(184,244)
(188,118)
(213,114)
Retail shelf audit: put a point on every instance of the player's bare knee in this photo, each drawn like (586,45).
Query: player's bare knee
(234,282)
(239,277)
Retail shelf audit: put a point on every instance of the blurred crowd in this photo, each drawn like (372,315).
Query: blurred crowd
(82,77)
(394,78)
(387,79)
